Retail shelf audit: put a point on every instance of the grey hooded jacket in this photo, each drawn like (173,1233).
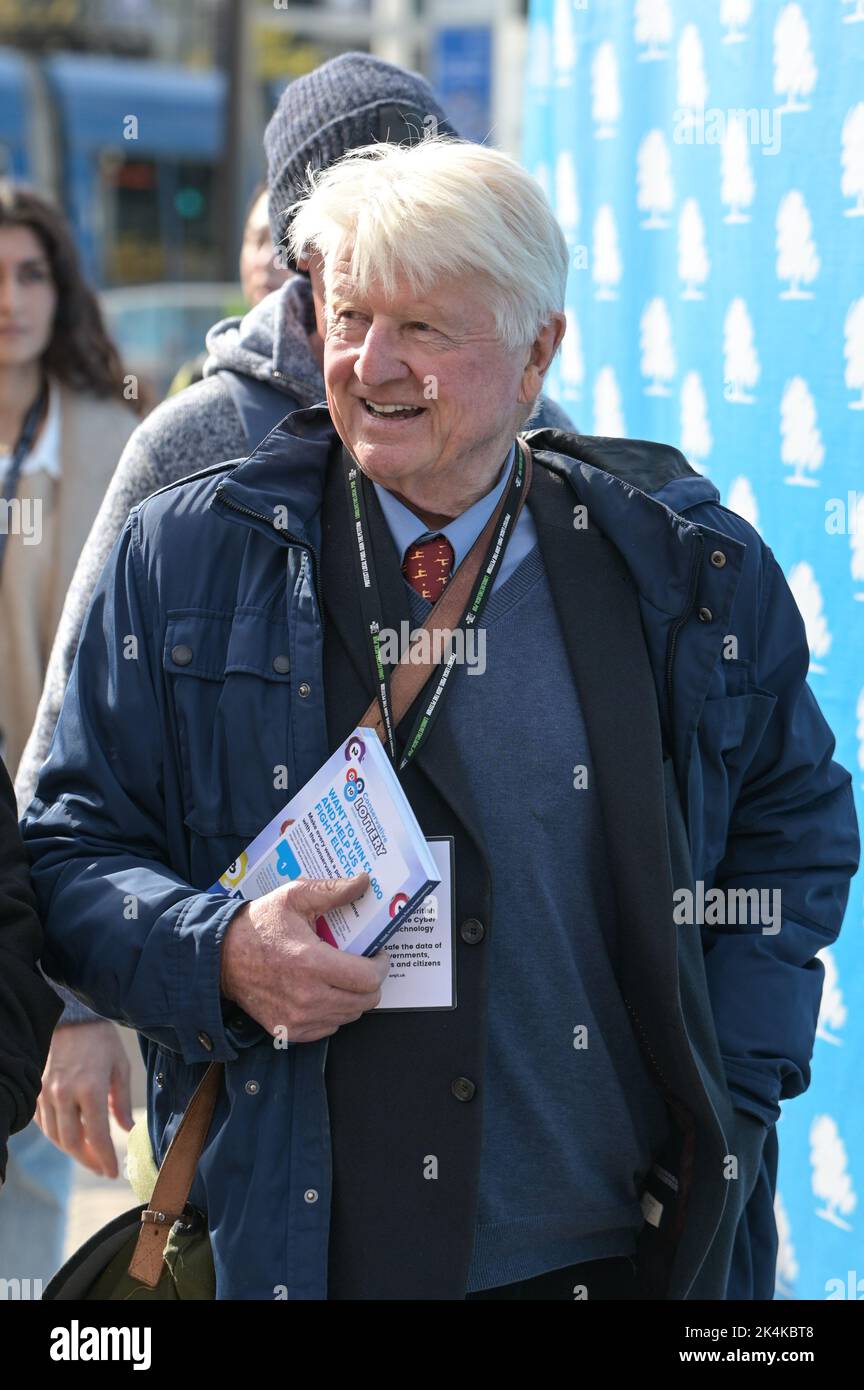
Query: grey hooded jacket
(189,431)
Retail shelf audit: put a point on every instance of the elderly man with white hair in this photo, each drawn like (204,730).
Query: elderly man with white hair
(591,1115)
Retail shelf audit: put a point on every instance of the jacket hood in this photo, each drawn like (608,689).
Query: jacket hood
(271,343)
(651,467)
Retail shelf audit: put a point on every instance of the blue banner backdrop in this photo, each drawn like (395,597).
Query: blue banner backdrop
(705,159)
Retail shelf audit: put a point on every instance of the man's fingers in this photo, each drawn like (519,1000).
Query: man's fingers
(45,1118)
(94,1113)
(120,1094)
(314,896)
(356,974)
(67,1133)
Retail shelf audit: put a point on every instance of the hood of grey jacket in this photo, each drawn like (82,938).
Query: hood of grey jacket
(271,343)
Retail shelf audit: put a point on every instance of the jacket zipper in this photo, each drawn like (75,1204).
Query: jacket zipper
(695,564)
(285,535)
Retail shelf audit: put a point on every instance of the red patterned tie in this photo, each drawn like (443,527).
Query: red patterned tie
(427,567)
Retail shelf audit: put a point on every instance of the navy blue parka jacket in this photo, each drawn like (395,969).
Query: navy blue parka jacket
(182,705)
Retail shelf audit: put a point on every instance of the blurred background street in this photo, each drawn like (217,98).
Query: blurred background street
(145,119)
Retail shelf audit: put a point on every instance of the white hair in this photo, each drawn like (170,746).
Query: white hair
(434,210)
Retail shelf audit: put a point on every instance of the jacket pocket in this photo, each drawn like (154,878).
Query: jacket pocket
(228,677)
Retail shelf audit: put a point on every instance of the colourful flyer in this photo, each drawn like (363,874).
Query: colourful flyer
(351,816)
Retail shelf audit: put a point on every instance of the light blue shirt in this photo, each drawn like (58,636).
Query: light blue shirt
(407,529)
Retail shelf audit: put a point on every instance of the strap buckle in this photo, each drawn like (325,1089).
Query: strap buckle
(159,1218)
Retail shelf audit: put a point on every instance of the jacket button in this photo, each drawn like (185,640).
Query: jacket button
(472,931)
(304,689)
(462,1088)
(281,664)
(252,1088)
(718,559)
(181,655)
(705,615)
(310,1195)
(206,1041)
(160,1078)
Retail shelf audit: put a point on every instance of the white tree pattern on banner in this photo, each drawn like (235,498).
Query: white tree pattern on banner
(787,1264)
(539,61)
(831,1180)
(802,449)
(696,438)
(679,116)
(856,541)
(852,159)
(605,92)
(693,262)
(653,28)
(655,190)
(832,1010)
(692,81)
(742,499)
(658,353)
(738,187)
(572,359)
(795,70)
(797,260)
(608,411)
(567,205)
(808,596)
(854,351)
(735,16)
(741,368)
(606,257)
(564,42)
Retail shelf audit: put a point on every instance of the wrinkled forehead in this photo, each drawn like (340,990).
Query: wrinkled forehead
(462,301)
(339,280)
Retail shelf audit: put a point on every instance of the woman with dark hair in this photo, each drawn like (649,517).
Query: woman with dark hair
(66,411)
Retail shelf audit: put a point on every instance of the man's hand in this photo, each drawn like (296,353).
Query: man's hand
(87,1070)
(283,975)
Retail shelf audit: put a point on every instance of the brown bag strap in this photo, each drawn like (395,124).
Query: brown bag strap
(177,1172)
(409,678)
(175,1179)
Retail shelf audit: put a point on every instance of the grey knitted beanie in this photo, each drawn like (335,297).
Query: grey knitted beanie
(351,100)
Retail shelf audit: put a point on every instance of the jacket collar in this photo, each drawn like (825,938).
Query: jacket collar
(280,486)
(635,491)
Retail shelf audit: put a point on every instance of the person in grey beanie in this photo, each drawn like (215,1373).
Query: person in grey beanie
(348,102)
(260,368)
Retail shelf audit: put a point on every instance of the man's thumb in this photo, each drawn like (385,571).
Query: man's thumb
(318,895)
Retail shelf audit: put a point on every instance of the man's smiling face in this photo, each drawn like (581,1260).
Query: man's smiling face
(438,355)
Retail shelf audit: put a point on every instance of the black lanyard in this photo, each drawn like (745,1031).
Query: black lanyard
(356,484)
(19,453)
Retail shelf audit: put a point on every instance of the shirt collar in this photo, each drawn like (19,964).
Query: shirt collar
(407,529)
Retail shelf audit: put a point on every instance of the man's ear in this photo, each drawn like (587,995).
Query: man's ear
(543,350)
